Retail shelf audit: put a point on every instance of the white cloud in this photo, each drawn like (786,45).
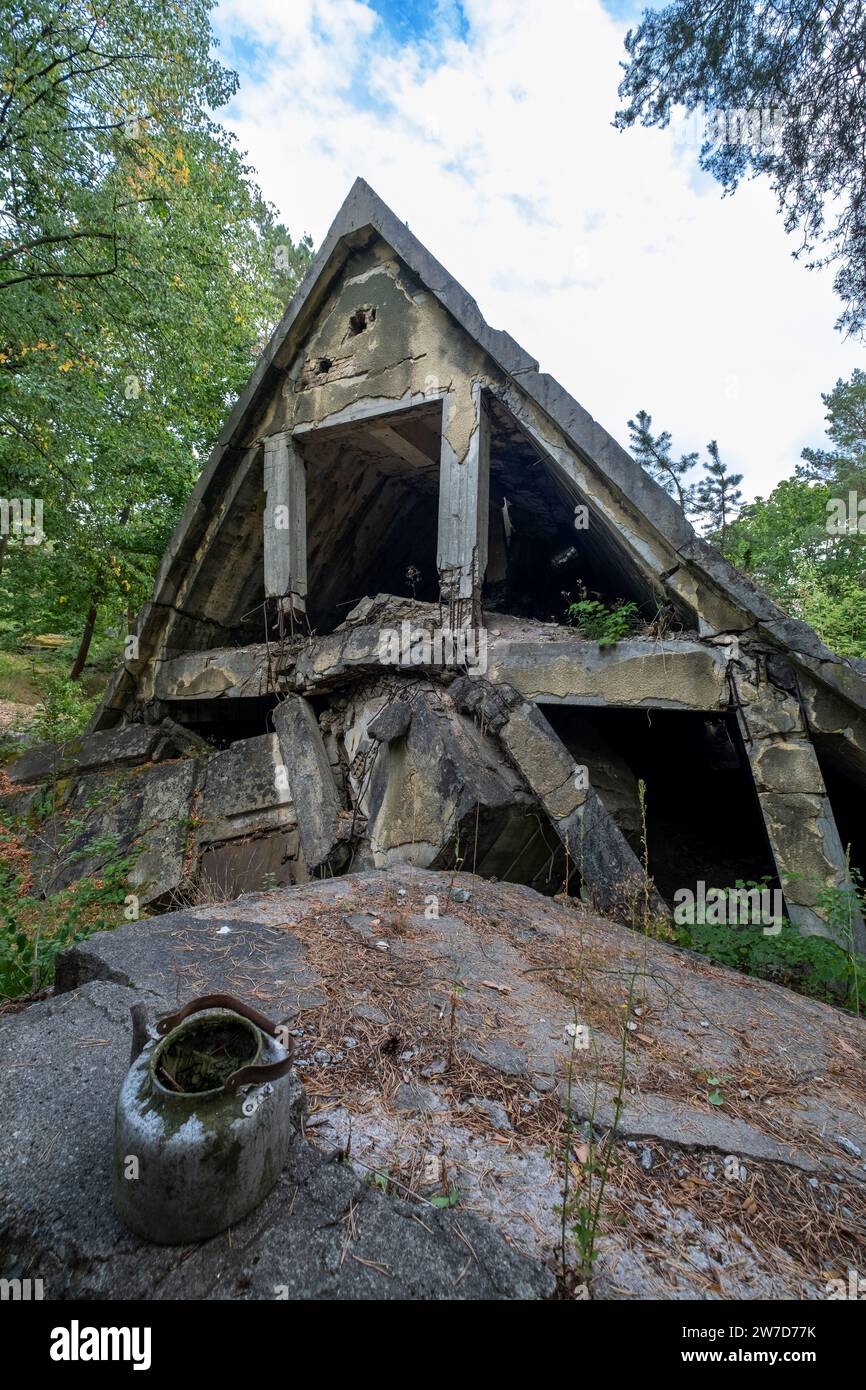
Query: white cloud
(607,255)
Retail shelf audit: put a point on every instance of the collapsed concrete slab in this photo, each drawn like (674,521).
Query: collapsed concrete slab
(307,775)
(439,792)
(609,872)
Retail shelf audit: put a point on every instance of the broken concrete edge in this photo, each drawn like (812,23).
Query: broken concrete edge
(127,746)
(633,1118)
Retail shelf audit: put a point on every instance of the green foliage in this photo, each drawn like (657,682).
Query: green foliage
(713,1086)
(713,499)
(654,454)
(812,965)
(783,543)
(450,1199)
(718,497)
(33,928)
(140,276)
(33,931)
(798,63)
(601,624)
(63,711)
(837,615)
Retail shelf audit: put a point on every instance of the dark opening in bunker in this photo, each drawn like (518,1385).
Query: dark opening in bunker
(703,821)
(514,845)
(223,722)
(372,512)
(546,548)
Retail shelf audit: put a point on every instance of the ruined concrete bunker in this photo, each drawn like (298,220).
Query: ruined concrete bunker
(356,654)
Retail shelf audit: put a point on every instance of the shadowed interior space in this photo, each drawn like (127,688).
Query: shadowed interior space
(703,821)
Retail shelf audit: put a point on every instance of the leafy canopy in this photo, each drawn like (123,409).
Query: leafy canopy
(140,275)
(791,71)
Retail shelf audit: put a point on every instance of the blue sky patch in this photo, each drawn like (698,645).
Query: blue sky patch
(410,20)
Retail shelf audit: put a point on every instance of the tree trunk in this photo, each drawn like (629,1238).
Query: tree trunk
(4,541)
(84,647)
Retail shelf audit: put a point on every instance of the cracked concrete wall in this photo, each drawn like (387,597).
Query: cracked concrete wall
(410,352)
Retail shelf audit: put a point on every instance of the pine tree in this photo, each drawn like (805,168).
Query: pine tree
(655,456)
(718,497)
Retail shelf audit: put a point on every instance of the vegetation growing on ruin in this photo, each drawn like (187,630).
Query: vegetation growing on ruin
(35,929)
(600,623)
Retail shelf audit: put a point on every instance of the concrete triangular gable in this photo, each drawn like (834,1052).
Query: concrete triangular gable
(681,559)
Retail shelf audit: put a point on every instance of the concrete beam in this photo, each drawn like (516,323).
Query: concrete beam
(464,498)
(307,774)
(801,828)
(233,672)
(285,534)
(558,667)
(403,448)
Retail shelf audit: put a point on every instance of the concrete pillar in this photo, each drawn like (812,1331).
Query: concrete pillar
(285,533)
(464,488)
(801,828)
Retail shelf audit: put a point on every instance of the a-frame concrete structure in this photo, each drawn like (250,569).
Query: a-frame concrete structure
(390,442)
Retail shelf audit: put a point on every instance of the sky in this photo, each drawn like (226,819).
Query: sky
(610,257)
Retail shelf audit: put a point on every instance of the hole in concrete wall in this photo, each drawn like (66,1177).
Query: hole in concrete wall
(537,557)
(703,817)
(372,513)
(513,845)
(361,320)
(223,722)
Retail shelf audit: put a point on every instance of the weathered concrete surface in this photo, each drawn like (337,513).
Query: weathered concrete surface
(561,667)
(801,828)
(242,791)
(310,782)
(285,527)
(225,819)
(123,747)
(322,1233)
(840,726)
(466,1097)
(138,814)
(438,792)
(230,672)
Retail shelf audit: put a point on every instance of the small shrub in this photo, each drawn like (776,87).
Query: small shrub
(601,624)
(63,711)
(812,965)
